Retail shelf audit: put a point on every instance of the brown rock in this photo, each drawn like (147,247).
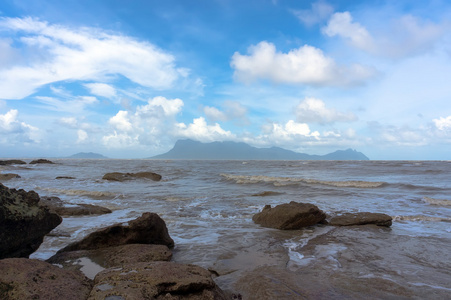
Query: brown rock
(56,205)
(117,176)
(41,161)
(22,278)
(112,256)
(8,176)
(64,177)
(12,162)
(266,193)
(289,216)
(361,218)
(23,222)
(147,229)
(158,280)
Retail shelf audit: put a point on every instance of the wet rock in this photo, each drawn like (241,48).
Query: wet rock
(158,280)
(289,216)
(23,222)
(65,177)
(12,162)
(22,278)
(41,161)
(8,176)
(112,256)
(117,176)
(147,229)
(266,193)
(56,205)
(361,218)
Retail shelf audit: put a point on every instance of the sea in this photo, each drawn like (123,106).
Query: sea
(208,207)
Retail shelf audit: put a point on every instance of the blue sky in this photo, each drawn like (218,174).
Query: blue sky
(129,78)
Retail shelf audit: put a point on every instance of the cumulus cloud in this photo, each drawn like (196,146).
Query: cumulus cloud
(443,124)
(318,13)
(201,131)
(288,133)
(305,65)
(62,53)
(401,37)
(315,110)
(13,130)
(101,89)
(82,136)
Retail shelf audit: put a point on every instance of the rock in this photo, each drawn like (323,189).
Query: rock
(12,162)
(361,218)
(64,177)
(158,280)
(8,176)
(41,161)
(23,222)
(56,205)
(147,229)
(112,256)
(22,278)
(117,176)
(266,193)
(289,216)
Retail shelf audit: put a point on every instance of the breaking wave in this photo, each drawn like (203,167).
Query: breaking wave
(419,218)
(281,181)
(91,194)
(442,202)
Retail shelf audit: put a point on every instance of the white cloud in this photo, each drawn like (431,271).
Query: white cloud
(291,132)
(305,65)
(443,124)
(101,89)
(82,136)
(233,110)
(315,110)
(13,130)
(74,105)
(199,130)
(157,104)
(62,53)
(214,114)
(319,12)
(401,37)
(121,121)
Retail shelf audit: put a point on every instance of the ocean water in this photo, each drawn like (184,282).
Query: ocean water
(208,208)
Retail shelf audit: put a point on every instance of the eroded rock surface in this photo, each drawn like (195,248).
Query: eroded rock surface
(8,176)
(117,176)
(361,218)
(56,205)
(289,216)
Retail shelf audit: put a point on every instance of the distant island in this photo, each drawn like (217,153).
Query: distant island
(189,149)
(87,155)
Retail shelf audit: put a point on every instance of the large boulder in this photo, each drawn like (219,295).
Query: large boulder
(158,280)
(41,161)
(8,176)
(12,162)
(56,205)
(117,176)
(23,222)
(361,218)
(289,216)
(147,229)
(22,278)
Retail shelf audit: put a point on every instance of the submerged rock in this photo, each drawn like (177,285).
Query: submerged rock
(12,162)
(56,205)
(23,222)
(158,280)
(117,176)
(8,176)
(41,161)
(289,216)
(361,218)
(22,278)
(147,229)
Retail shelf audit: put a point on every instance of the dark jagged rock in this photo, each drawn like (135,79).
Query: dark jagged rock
(12,162)
(158,280)
(65,177)
(56,205)
(289,216)
(147,229)
(41,161)
(112,256)
(8,176)
(361,218)
(117,176)
(23,222)
(22,278)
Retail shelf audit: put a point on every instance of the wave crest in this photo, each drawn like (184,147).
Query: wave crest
(441,202)
(419,218)
(281,181)
(91,194)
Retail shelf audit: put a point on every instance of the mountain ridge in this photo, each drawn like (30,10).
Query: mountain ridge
(189,149)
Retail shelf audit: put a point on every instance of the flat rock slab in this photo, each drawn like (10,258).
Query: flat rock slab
(22,278)
(41,161)
(12,162)
(289,216)
(112,256)
(361,218)
(56,205)
(8,176)
(158,280)
(117,176)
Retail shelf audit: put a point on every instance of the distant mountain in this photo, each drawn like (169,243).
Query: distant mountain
(189,149)
(87,155)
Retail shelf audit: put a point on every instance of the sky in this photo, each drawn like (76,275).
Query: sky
(127,79)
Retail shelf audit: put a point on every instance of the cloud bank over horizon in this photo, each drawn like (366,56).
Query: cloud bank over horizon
(312,77)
